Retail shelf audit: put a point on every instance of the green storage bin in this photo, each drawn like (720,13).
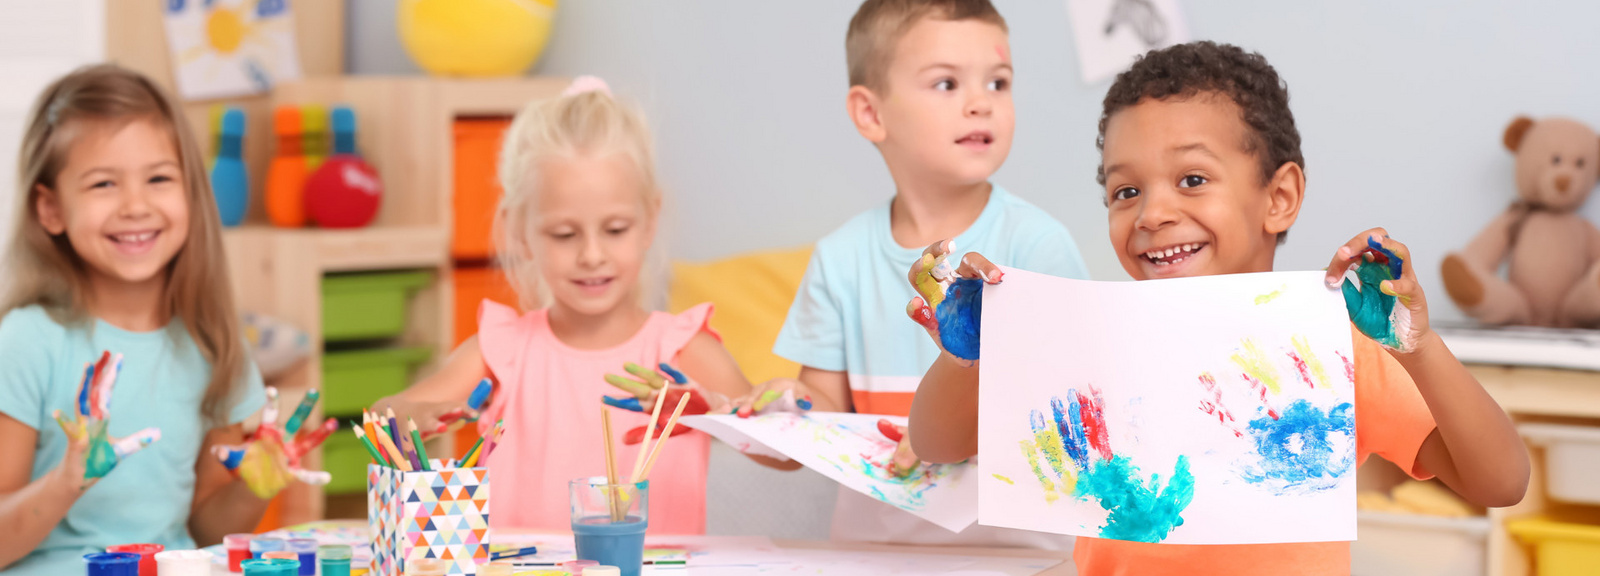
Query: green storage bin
(345,458)
(367,306)
(353,380)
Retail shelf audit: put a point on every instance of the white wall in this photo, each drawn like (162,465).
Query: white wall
(1400,104)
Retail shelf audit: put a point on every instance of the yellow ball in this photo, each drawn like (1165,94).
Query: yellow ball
(475,38)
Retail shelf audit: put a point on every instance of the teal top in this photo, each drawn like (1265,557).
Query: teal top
(147,497)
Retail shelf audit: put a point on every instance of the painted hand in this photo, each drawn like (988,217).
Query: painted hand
(905,461)
(950,305)
(775,395)
(1070,454)
(270,457)
(649,387)
(92,452)
(1381,292)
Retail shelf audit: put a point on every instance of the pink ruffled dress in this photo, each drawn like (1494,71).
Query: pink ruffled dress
(549,395)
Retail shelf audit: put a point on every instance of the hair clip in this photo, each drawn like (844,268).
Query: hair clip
(52,113)
(586,84)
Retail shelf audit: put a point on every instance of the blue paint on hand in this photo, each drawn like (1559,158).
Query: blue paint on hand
(959,318)
(1297,449)
(83,391)
(630,403)
(673,373)
(1386,256)
(1369,308)
(1139,510)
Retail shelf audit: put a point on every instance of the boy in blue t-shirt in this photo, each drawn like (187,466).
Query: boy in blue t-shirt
(930,86)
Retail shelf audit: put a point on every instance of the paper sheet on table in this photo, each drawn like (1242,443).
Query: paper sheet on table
(849,449)
(821,562)
(1210,410)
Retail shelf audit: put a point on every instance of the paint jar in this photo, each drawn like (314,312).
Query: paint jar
(280,555)
(270,567)
(608,522)
(577,566)
(335,560)
(263,545)
(427,567)
(146,552)
(306,548)
(602,571)
(112,564)
(184,563)
(238,546)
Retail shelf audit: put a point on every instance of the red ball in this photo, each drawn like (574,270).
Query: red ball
(343,193)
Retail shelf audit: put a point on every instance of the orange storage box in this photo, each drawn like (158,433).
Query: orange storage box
(477,190)
(473,284)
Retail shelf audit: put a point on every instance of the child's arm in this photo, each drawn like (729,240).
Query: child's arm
(442,392)
(30,510)
(223,503)
(709,364)
(1475,450)
(944,413)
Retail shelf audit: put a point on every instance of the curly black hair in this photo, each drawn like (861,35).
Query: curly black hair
(1185,70)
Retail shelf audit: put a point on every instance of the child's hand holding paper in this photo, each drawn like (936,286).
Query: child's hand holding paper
(1377,275)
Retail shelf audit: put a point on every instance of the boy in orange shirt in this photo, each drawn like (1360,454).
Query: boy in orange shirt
(1202,170)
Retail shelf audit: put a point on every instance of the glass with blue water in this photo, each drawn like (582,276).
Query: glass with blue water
(608,522)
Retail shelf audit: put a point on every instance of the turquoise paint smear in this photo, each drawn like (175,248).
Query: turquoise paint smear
(1139,510)
(1297,454)
(1370,309)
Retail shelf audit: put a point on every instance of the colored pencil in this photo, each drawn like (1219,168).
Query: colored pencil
(474,450)
(377,458)
(395,453)
(416,440)
(394,426)
(611,466)
(488,447)
(655,451)
(404,441)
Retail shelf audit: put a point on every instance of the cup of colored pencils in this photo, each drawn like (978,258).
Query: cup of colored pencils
(411,498)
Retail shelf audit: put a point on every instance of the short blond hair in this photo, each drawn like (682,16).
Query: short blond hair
(587,123)
(879,24)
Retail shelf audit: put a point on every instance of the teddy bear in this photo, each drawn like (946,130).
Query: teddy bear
(1554,253)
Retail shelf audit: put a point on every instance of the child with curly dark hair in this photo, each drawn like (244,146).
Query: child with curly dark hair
(1202,172)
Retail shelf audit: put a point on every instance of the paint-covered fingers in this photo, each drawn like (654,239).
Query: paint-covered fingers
(930,274)
(745,406)
(639,390)
(650,377)
(919,311)
(135,442)
(1352,252)
(904,462)
(975,265)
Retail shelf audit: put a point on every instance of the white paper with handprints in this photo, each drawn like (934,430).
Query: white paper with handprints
(849,449)
(1210,410)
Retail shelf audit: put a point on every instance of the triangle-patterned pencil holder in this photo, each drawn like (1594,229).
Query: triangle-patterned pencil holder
(442,514)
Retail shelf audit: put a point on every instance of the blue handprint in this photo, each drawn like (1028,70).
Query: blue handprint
(1371,309)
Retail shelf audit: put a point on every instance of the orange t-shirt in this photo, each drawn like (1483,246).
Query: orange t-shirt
(1391,421)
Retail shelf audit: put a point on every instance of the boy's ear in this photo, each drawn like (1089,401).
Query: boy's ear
(47,207)
(862,104)
(1285,193)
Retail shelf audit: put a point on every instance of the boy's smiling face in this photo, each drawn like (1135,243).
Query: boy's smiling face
(1186,195)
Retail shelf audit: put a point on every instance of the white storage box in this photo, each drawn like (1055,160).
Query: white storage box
(1418,545)
(1572,460)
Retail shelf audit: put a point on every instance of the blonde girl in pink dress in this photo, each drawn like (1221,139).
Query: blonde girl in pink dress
(573,229)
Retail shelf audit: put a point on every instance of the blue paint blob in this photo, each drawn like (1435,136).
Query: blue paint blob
(630,403)
(1139,510)
(1368,306)
(1297,451)
(673,373)
(959,318)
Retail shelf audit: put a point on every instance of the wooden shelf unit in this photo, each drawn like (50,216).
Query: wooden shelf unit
(405,130)
(1536,394)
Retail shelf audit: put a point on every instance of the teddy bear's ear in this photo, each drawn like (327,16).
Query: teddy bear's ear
(1516,131)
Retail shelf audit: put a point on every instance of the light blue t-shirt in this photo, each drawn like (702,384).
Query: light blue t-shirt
(147,497)
(850,313)
(850,316)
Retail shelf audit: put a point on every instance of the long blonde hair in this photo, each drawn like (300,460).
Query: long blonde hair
(589,122)
(45,270)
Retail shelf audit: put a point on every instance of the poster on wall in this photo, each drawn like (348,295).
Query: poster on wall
(227,48)
(1110,33)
